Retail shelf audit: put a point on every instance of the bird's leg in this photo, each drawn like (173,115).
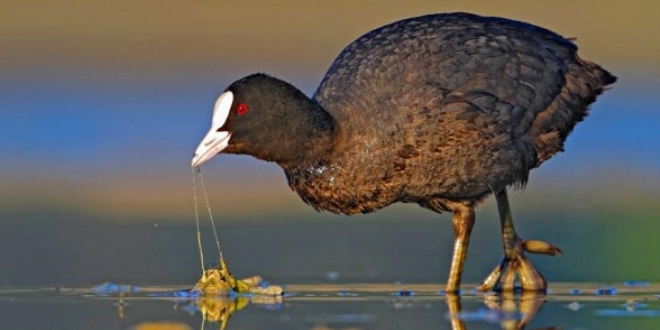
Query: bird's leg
(463,221)
(502,278)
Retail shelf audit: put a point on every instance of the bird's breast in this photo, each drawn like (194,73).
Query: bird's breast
(339,188)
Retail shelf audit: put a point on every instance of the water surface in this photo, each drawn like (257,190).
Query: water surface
(634,305)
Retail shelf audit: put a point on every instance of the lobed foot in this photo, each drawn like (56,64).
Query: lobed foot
(503,277)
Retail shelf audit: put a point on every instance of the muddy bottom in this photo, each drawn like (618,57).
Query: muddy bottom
(632,305)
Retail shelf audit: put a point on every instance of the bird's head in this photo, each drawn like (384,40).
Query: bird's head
(264,117)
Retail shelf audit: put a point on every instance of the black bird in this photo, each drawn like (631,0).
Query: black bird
(440,110)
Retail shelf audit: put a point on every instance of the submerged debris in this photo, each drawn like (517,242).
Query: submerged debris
(109,288)
(575,306)
(184,294)
(632,304)
(575,292)
(347,294)
(221,282)
(606,291)
(405,293)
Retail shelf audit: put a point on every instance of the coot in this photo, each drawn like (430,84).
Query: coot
(440,110)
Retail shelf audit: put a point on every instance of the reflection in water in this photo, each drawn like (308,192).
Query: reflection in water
(164,325)
(325,327)
(216,310)
(361,307)
(510,311)
(333,307)
(220,309)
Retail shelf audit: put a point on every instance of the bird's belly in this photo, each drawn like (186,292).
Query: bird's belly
(366,180)
(337,196)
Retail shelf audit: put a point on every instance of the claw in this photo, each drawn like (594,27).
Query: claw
(540,247)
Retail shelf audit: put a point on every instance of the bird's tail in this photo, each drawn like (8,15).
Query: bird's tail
(584,82)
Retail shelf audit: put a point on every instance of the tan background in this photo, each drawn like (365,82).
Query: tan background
(141,44)
(159,34)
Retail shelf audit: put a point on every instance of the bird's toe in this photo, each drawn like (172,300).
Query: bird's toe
(530,279)
(541,247)
(503,277)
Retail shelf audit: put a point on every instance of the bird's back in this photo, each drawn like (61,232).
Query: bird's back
(455,104)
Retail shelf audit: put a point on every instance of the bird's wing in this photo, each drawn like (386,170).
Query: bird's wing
(505,72)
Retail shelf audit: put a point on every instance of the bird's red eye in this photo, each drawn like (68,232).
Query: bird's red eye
(242,109)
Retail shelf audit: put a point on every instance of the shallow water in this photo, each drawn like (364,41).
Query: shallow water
(49,268)
(341,306)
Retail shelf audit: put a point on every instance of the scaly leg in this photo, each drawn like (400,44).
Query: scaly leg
(502,278)
(463,221)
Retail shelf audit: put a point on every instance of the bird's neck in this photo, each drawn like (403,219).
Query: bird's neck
(309,138)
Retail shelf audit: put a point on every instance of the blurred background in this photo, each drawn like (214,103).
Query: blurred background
(103,102)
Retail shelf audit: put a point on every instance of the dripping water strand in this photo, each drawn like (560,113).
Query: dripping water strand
(208,207)
(199,234)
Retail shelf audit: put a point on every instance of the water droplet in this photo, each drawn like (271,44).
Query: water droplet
(575,306)
(332,276)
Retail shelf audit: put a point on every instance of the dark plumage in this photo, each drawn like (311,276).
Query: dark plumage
(439,110)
